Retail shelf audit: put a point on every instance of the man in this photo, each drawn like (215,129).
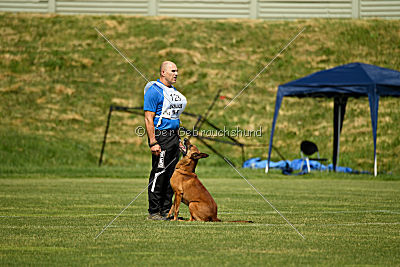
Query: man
(163,105)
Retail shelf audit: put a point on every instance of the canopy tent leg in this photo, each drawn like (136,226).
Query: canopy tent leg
(278,103)
(339,110)
(373,106)
(338,138)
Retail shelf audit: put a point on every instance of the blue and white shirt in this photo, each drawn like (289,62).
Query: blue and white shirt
(166,102)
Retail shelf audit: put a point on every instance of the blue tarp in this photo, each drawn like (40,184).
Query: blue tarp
(340,83)
(257,163)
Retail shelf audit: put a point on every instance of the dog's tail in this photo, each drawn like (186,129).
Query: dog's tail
(241,221)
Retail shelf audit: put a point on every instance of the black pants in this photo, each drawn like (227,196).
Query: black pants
(159,191)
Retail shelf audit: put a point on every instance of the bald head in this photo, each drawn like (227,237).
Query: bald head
(168,73)
(165,65)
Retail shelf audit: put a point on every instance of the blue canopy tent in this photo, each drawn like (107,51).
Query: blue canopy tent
(340,83)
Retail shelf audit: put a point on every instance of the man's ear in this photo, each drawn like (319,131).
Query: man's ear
(198,155)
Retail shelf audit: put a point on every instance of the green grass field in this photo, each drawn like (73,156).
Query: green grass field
(345,221)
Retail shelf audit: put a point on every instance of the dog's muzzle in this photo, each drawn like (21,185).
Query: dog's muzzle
(184,146)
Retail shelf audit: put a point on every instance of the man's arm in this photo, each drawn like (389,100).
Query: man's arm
(149,122)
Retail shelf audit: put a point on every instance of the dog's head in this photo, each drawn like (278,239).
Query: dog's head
(191,151)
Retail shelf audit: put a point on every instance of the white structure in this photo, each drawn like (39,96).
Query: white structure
(214,9)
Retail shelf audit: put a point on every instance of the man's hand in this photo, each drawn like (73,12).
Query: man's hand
(155,150)
(149,121)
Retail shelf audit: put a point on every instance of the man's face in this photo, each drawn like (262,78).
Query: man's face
(171,73)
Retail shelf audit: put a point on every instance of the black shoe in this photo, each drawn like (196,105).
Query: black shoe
(155,217)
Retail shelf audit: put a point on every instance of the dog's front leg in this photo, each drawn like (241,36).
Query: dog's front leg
(177,202)
(172,207)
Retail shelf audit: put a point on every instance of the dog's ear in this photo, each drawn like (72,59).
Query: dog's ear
(198,155)
(203,155)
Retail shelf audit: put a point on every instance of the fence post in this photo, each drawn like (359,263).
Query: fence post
(152,11)
(51,6)
(356,9)
(253,9)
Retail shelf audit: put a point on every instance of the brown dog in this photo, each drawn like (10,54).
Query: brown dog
(188,188)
